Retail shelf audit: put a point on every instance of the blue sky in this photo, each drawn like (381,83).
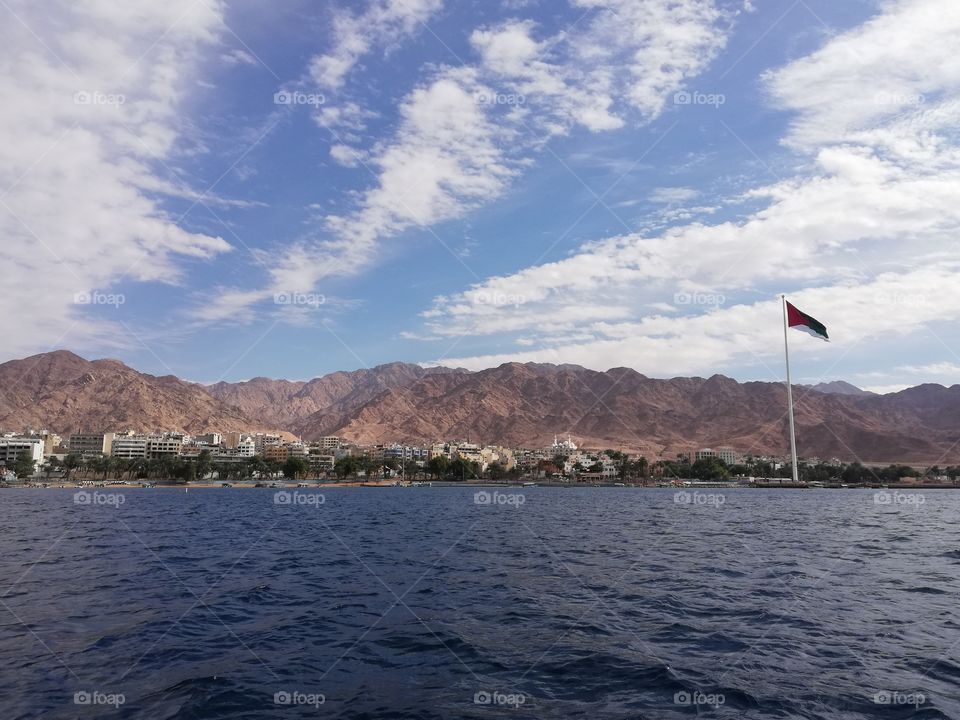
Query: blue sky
(603,182)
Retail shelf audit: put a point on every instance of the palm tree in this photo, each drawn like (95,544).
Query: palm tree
(70,462)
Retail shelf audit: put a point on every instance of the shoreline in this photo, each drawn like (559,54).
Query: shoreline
(379,484)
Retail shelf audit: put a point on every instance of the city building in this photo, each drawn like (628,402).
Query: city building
(275,452)
(11,449)
(90,443)
(213,438)
(562,447)
(129,447)
(321,461)
(158,447)
(330,442)
(706,453)
(405,452)
(728,455)
(246,448)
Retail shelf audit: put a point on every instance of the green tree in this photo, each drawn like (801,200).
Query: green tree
(295,467)
(710,468)
(51,465)
(437,466)
(204,463)
(70,463)
(345,466)
(23,466)
(495,471)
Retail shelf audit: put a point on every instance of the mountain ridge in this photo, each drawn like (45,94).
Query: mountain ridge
(515,404)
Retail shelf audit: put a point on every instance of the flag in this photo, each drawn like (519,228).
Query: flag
(802,321)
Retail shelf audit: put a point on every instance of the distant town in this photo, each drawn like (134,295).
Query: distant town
(38,457)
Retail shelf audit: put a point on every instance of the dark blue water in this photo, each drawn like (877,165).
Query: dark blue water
(419,603)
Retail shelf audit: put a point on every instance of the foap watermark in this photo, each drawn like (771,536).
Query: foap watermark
(898,498)
(300,299)
(496,497)
(295,97)
(497,98)
(699,298)
(96,297)
(900,298)
(895,697)
(685,497)
(500,299)
(83,497)
(685,97)
(285,497)
(296,697)
(695,697)
(486,697)
(898,99)
(95,97)
(97,697)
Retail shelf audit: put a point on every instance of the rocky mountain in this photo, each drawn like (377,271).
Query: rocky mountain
(284,402)
(514,404)
(838,387)
(527,405)
(64,393)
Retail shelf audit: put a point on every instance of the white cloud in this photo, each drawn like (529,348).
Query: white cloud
(238,56)
(661,44)
(873,220)
(673,195)
(444,159)
(355,35)
(346,155)
(630,54)
(89,99)
(465,132)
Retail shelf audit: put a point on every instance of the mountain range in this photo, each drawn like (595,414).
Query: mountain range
(519,405)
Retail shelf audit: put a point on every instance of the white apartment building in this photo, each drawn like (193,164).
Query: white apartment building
(129,447)
(11,448)
(705,453)
(728,455)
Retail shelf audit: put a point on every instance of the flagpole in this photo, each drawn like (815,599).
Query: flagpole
(793,434)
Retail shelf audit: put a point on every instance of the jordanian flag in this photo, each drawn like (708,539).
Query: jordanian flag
(802,321)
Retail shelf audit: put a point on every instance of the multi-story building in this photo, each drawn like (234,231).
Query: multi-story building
(321,461)
(12,448)
(209,439)
(158,447)
(728,455)
(275,452)
(705,453)
(90,443)
(51,441)
(129,447)
(328,443)
(297,449)
(263,440)
(246,448)
(405,452)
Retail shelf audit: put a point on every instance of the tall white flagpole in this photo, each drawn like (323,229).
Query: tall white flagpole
(793,434)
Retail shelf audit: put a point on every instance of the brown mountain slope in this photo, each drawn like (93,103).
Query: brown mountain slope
(64,393)
(514,404)
(284,402)
(527,405)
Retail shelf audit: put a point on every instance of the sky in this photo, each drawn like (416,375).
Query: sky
(224,189)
